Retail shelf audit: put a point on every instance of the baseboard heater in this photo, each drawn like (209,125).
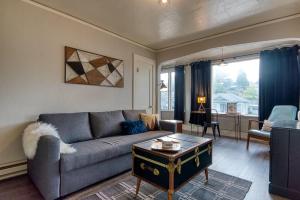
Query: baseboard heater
(13,169)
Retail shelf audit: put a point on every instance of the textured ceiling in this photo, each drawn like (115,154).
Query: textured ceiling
(155,26)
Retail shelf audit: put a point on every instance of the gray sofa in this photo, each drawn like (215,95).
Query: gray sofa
(102,150)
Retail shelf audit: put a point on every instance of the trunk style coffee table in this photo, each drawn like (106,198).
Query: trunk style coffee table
(170,171)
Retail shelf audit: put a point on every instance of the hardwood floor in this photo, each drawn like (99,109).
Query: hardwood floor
(18,188)
(229,156)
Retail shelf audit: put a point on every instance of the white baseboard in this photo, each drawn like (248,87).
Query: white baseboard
(13,169)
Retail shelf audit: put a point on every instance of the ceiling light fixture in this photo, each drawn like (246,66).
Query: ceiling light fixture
(164,2)
(223,63)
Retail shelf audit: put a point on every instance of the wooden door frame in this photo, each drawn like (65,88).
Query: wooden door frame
(154,86)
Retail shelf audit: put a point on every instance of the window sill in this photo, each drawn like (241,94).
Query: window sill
(242,115)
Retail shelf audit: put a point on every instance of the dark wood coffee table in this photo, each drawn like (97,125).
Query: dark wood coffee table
(170,171)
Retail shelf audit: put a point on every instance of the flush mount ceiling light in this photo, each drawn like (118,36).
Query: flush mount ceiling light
(164,2)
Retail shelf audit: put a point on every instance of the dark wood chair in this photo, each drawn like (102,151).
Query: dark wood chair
(210,122)
(255,133)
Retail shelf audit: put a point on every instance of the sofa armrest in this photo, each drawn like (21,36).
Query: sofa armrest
(167,126)
(43,169)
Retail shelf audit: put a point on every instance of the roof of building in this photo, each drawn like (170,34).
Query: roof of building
(229,97)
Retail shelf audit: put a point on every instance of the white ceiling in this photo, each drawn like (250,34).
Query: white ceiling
(150,24)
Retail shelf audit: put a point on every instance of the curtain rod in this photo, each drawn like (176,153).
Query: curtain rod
(247,55)
(235,57)
(213,60)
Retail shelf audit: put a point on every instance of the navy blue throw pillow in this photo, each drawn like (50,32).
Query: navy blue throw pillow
(133,127)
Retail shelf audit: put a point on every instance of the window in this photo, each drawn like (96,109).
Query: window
(167,97)
(164,95)
(236,82)
(172,91)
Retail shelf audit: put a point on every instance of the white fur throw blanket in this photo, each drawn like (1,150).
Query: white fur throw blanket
(32,134)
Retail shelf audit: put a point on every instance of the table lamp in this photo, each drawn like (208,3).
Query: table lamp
(201,101)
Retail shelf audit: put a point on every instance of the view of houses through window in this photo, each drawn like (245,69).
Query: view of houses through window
(237,83)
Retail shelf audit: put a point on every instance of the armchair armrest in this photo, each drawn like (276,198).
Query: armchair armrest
(167,126)
(251,121)
(43,169)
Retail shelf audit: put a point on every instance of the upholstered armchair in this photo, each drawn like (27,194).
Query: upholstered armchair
(279,113)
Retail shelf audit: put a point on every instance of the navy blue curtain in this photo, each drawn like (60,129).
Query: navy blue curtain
(200,86)
(278,79)
(179,93)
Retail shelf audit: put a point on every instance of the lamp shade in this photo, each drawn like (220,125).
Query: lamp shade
(163,87)
(201,100)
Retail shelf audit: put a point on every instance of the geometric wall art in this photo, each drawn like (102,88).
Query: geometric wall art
(82,67)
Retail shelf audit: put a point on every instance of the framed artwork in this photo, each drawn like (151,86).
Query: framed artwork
(83,67)
(231,107)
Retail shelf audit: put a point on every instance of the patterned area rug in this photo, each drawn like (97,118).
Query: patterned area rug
(219,187)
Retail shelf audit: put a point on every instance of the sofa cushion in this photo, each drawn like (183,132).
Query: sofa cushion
(105,124)
(87,153)
(125,142)
(98,150)
(267,126)
(132,115)
(72,127)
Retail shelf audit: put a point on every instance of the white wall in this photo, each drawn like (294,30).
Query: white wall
(32,44)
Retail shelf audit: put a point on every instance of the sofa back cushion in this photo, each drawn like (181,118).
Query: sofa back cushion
(132,115)
(72,127)
(105,124)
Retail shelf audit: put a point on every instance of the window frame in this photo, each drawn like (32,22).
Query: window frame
(169,72)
